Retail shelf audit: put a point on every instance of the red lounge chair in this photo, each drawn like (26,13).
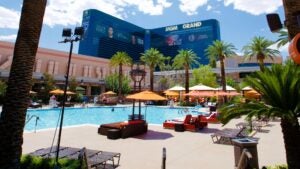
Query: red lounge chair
(195,124)
(211,118)
(127,129)
(170,124)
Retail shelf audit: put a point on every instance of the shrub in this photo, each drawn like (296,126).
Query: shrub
(31,162)
(282,166)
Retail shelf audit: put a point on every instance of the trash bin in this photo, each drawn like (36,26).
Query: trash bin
(251,145)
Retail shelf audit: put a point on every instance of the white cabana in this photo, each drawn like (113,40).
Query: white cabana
(177,88)
(228,88)
(202,87)
(247,88)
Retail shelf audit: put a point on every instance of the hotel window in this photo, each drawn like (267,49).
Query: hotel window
(99,72)
(56,66)
(85,71)
(90,71)
(38,65)
(50,69)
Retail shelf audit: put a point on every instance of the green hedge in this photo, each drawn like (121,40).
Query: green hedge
(283,166)
(30,162)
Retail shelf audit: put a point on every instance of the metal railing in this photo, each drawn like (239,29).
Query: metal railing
(29,117)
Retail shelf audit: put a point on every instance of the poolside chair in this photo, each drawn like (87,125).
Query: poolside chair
(88,158)
(212,118)
(170,124)
(127,128)
(226,135)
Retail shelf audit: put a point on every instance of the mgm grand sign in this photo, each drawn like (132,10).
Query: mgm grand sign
(183,26)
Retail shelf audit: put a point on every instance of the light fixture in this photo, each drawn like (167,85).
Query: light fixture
(68,37)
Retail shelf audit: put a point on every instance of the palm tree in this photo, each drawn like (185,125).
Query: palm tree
(220,50)
(260,48)
(152,58)
(283,38)
(279,89)
(120,59)
(291,9)
(185,59)
(13,114)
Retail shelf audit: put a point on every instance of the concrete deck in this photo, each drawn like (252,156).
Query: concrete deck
(185,150)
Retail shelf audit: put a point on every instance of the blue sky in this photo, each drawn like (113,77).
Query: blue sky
(240,20)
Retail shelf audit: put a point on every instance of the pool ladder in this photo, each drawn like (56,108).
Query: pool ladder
(37,118)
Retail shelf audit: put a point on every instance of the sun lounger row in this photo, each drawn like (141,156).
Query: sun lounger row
(124,129)
(92,158)
(189,123)
(226,135)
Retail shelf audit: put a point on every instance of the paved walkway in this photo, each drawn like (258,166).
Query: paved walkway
(187,150)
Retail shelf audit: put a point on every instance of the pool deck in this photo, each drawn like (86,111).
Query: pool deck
(185,150)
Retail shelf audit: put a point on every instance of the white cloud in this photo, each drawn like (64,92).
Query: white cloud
(69,12)
(209,7)
(255,7)
(283,49)
(8,37)
(190,6)
(9,18)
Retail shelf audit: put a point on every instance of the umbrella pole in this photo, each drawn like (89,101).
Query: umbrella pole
(132,118)
(139,109)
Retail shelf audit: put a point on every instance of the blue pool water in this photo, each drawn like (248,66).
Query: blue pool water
(98,115)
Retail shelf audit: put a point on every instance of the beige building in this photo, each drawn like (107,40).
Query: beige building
(88,71)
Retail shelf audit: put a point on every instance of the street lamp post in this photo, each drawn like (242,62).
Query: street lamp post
(137,74)
(69,37)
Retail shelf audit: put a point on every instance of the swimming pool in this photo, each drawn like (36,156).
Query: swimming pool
(98,115)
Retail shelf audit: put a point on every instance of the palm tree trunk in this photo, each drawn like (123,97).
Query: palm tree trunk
(151,78)
(291,8)
(187,82)
(223,78)
(291,136)
(120,80)
(13,115)
(261,65)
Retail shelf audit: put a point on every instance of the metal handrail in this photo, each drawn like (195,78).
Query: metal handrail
(37,118)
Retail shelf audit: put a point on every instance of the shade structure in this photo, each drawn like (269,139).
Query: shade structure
(145,95)
(202,87)
(171,93)
(222,93)
(59,91)
(228,88)
(201,93)
(247,88)
(32,92)
(233,94)
(252,94)
(109,93)
(78,88)
(177,88)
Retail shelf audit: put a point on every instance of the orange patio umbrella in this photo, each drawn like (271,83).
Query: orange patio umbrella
(59,91)
(252,94)
(201,93)
(146,95)
(109,93)
(171,93)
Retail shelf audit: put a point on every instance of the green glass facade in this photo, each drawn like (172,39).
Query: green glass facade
(105,35)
